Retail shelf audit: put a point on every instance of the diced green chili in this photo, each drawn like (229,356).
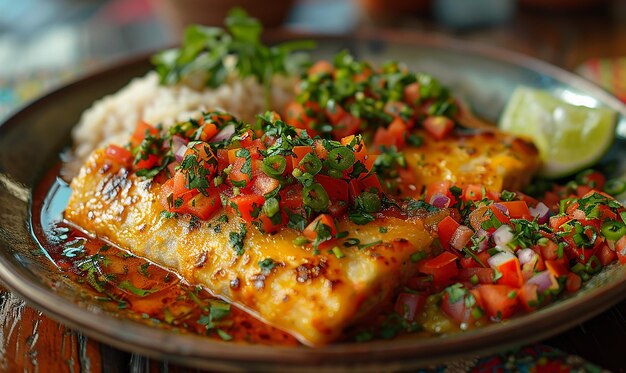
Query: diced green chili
(340,158)
(613,230)
(274,166)
(315,197)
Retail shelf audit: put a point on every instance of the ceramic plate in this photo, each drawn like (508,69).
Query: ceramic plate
(32,139)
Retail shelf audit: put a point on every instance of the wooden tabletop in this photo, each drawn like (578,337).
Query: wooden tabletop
(31,342)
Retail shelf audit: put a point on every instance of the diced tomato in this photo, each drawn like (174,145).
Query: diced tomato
(442,267)
(237,176)
(457,311)
(499,214)
(473,192)
(337,189)
(141,130)
(264,184)
(291,197)
(620,250)
(558,220)
(321,67)
(310,231)
(247,206)
(556,268)
(483,275)
(208,131)
(518,209)
(573,282)
(300,152)
(203,206)
(499,301)
(441,187)
(246,138)
(530,201)
(118,154)
(266,224)
(511,273)
(203,153)
(606,255)
(409,305)
(528,296)
(552,200)
(445,230)
(337,208)
(148,163)
(369,161)
(222,159)
(593,179)
(581,190)
(347,125)
(393,135)
(461,237)
(370,182)
(296,115)
(383,138)
(438,126)
(166,193)
(411,93)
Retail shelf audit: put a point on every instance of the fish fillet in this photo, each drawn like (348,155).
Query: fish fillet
(495,160)
(313,297)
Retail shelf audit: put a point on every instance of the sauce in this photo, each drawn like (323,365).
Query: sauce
(133,287)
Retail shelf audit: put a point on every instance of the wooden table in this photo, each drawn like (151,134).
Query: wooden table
(31,342)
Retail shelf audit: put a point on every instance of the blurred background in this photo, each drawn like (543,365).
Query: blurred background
(47,42)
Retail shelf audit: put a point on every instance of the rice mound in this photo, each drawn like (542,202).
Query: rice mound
(112,119)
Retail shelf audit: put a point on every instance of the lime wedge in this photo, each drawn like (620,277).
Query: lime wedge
(569,138)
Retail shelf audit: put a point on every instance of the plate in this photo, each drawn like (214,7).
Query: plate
(32,139)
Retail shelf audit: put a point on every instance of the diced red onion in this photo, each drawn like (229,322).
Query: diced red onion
(500,258)
(224,134)
(503,235)
(179,147)
(525,256)
(172,167)
(501,207)
(461,237)
(484,242)
(541,212)
(440,200)
(543,280)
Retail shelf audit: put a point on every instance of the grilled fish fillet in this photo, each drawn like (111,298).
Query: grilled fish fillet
(310,296)
(493,159)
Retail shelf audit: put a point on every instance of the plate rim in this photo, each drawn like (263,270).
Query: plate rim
(163,344)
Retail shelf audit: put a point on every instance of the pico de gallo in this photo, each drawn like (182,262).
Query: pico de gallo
(502,254)
(347,97)
(271,175)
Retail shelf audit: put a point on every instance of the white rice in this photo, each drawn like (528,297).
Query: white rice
(113,118)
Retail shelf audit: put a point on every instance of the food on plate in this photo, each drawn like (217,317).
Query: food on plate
(216,69)
(399,110)
(212,220)
(374,208)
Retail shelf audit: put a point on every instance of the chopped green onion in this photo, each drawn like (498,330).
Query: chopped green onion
(613,230)
(593,265)
(338,253)
(274,166)
(271,207)
(340,158)
(300,241)
(474,279)
(564,204)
